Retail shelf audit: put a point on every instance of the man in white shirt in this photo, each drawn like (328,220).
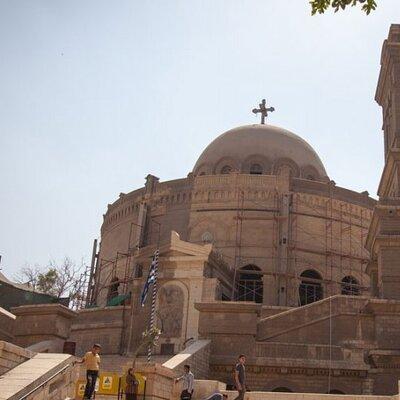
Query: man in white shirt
(188,381)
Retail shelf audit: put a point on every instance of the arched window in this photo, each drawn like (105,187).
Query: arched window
(310,178)
(250,285)
(282,389)
(350,286)
(226,169)
(256,169)
(310,289)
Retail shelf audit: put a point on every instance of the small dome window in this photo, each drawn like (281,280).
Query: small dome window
(256,169)
(226,169)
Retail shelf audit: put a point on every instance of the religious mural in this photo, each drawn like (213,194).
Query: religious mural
(170,310)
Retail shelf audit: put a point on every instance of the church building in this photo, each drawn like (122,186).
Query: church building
(260,253)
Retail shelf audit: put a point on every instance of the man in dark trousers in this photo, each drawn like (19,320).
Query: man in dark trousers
(240,377)
(92,364)
(188,381)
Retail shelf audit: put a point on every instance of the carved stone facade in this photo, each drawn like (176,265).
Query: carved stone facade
(170,310)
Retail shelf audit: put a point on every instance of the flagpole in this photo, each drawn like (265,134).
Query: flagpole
(154,293)
(153,303)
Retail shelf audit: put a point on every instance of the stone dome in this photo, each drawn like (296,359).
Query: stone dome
(260,149)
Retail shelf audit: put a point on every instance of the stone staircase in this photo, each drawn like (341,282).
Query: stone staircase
(293,325)
(44,376)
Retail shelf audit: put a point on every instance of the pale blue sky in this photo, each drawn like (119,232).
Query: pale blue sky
(97,94)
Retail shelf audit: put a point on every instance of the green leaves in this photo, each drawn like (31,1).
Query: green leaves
(46,282)
(320,6)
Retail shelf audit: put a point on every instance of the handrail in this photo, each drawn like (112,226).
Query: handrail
(45,382)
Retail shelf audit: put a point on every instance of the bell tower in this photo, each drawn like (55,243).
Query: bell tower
(383,240)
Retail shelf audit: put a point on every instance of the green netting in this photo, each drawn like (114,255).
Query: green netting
(117,300)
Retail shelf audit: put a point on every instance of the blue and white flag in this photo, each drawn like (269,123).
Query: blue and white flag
(151,279)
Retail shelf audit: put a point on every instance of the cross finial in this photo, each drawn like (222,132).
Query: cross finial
(263,110)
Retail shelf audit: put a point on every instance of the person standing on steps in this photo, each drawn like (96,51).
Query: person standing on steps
(92,363)
(188,382)
(240,377)
(132,384)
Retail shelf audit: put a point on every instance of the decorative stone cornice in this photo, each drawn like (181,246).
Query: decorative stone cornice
(44,309)
(375,237)
(392,161)
(236,307)
(383,307)
(385,359)
(265,369)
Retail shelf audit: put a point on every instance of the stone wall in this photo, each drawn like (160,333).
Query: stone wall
(100,325)
(7,322)
(11,356)
(203,388)
(298,379)
(196,355)
(39,322)
(299,325)
(159,382)
(306,396)
(323,224)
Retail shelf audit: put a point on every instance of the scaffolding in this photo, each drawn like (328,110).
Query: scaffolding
(334,248)
(342,258)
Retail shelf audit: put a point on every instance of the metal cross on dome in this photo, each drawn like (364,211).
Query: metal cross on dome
(263,110)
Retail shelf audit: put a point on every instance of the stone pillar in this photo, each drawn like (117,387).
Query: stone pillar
(151,183)
(159,382)
(372,271)
(39,322)
(283,249)
(269,290)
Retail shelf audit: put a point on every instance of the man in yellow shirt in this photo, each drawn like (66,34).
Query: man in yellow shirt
(92,364)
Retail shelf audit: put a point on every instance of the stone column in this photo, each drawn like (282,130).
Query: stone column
(283,249)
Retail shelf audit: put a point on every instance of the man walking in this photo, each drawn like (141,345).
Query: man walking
(240,377)
(188,382)
(92,364)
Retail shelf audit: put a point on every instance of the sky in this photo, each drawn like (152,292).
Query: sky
(97,94)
